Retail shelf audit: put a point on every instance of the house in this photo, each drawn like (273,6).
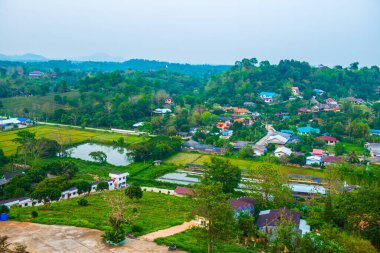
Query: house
(226,134)
(241,111)
(331,101)
(267,96)
(318,152)
(319,92)
(278,138)
(259,150)
(268,221)
(110,183)
(23,201)
(311,160)
(237,145)
(295,91)
(223,125)
(331,159)
(373,148)
(243,205)
(328,139)
(138,124)
(306,190)
(196,146)
(157,162)
(282,151)
(72,192)
(294,139)
(303,110)
(119,178)
(375,131)
(169,101)
(287,131)
(184,191)
(184,135)
(308,130)
(162,111)
(249,104)
(35,74)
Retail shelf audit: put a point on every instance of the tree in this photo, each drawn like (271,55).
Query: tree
(83,186)
(246,152)
(134,191)
(339,149)
(98,156)
(7,247)
(47,148)
(211,203)
(246,224)
(46,195)
(27,140)
(102,186)
(3,159)
(268,185)
(222,171)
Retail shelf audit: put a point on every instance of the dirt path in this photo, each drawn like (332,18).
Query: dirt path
(263,141)
(61,239)
(169,231)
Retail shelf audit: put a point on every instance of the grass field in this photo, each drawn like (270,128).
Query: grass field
(64,135)
(182,158)
(192,243)
(156,211)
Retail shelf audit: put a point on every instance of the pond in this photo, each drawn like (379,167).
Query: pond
(179,178)
(115,155)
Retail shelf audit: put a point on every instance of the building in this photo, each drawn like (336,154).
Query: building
(308,130)
(269,220)
(331,101)
(69,193)
(259,150)
(319,92)
(282,151)
(373,148)
(119,178)
(23,202)
(312,160)
(237,145)
(331,159)
(303,110)
(328,139)
(169,101)
(162,111)
(243,205)
(268,97)
(196,146)
(295,91)
(375,131)
(318,152)
(278,138)
(35,74)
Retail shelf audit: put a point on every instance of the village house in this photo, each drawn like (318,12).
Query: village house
(319,92)
(303,110)
(308,130)
(295,91)
(375,131)
(318,152)
(110,183)
(328,139)
(69,193)
(269,220)
(331,101)
(237,145)
(373,148)
(196,146)
(243,205)
(22,202)
(35,74)
(278,138)
(259,150)
(282,151)
(268,97)
(331,159)
(313,160)
(162,111)
(251,104)
(12,123)
(120,179)
(183,191)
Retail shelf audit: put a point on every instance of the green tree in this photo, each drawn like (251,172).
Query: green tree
(83,186)
(46,195)
(134,192)
(222,171)
(102,186)
(211,204)
(98,156)
(27,141)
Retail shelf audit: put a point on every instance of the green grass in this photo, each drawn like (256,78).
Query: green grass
(182,158)
(64,135)
(189,241)
(359,150)
(156,211)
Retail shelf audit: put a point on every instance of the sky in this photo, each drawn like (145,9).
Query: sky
(329,32)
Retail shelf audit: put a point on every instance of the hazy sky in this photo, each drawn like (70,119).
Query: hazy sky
(195,31)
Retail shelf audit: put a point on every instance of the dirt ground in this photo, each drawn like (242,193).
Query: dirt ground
(169,231)
(61,239)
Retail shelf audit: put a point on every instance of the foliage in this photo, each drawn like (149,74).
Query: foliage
(159,147)
(64,168)
(34,214)
(114,235)
(83,202)
(133,191)
(7,247)
(82,186)
(102,186)
(4,209)
(246,224)
(222,171)
(98,156)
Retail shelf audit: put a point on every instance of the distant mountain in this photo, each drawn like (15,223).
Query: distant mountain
(100,57)
(23,58)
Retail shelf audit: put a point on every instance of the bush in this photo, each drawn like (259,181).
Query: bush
(136,229)
(133,191)
(4,209)
(114,235)
(34,214)
(83,202)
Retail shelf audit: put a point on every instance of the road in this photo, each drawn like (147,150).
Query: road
(169,231)
(263,141)
(63,239)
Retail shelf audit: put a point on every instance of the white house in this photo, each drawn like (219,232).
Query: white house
(259,150)
(119,179)
(278,138)
(310,160)
(373,148)
(24,201)
(69,193)
(162,111)
(282,151)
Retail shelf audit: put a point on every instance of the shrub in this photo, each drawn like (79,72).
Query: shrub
(34,214)
(4,209)
(83,202)
(114,235)
(136,229)
(134,192)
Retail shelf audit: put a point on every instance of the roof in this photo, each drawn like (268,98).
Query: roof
(332,159)
(268,94)
(286,131)
(284,150)
(327,138)
(9,121)
(375,131)
(259,147)
(308,129)
(317,152)
(273,217)
(36,72)
(183,191)
(243,202)
(23,119)
(314,158)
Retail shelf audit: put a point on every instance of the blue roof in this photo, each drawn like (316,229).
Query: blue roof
(287,131)
(268,94)
(286,117)
(375,131)
(22,119)
(308,130)
(318,90)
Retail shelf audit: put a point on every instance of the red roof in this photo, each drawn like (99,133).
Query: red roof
(327,138)
(243,202)
(317,152)
(183,191)
(332,159)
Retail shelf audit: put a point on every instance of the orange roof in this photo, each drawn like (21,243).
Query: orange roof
(241,110)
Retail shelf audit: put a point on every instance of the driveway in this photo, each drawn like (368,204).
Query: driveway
(169,231)
(263,141)
(61,239)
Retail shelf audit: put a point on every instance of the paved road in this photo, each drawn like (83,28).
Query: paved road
(67,239)
(263,141)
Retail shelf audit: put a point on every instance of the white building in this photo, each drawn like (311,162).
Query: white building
(119,179)
(278,138)
(69,193)
(282,151)
(24,201)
